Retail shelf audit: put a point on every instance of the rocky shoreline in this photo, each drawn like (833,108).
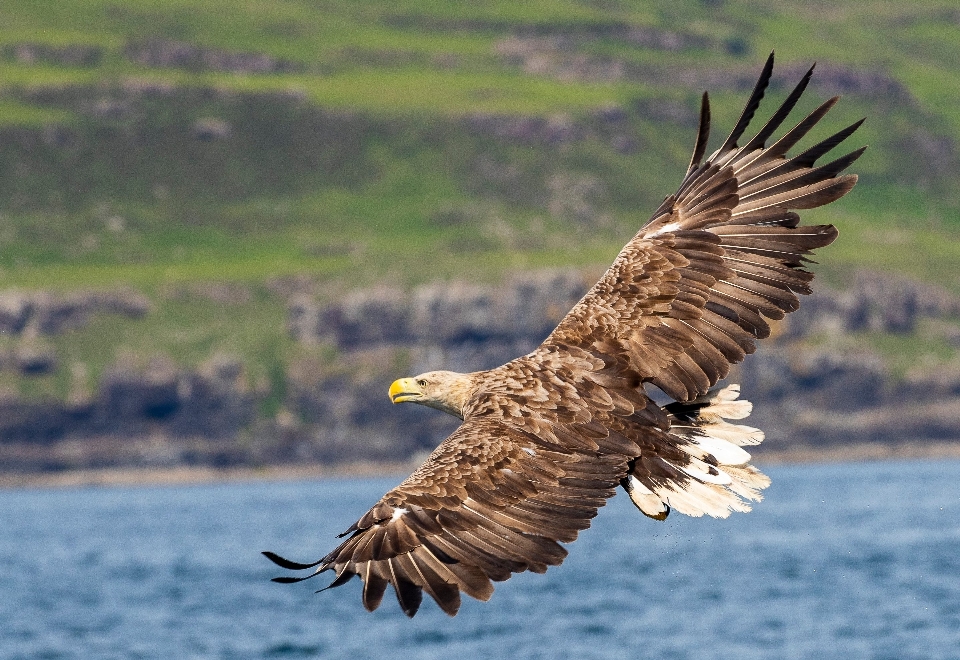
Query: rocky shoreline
(817,389)
(187,476)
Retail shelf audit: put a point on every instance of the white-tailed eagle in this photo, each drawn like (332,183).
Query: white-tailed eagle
(547,437)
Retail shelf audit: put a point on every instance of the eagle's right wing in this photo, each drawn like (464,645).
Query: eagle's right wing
(690,294)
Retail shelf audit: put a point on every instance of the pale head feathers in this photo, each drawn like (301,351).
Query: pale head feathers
(444,390)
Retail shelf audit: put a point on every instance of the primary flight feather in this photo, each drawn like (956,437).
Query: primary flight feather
(547,437)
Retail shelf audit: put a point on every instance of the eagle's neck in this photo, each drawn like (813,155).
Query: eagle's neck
(452,393)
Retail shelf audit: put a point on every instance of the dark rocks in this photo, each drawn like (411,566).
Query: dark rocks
(563,56)
(826,380)
(179,54)
(526,130)
(577,199)
(669,111)
(555,52)
(27,317)
(15,310)
(108,108)
(353,420)
(925,155)
(809,387)
(873,302)
(47,313)
(79,55)
(210,129)
(840,79)
(445,315)
(610,114)
(34,358)
(133,402)
(665,40)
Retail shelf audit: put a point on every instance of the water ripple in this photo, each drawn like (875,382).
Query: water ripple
(840,561)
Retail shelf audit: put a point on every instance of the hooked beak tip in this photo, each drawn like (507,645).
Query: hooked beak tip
(400,390)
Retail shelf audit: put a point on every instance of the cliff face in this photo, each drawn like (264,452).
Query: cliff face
(821,383)
(816,383)
(464,327)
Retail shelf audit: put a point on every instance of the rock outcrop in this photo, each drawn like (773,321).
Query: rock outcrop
(808,385)
(157,415)
(45,313)
(167,53)
(813,384)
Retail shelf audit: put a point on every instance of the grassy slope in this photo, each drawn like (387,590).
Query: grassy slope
(248,211)
(329,38)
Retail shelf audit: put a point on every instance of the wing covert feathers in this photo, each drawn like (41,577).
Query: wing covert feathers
(694,289)
(547,437)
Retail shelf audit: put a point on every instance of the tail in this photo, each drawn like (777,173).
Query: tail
(710,472)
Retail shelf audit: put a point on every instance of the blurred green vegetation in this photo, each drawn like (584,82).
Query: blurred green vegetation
(358,153)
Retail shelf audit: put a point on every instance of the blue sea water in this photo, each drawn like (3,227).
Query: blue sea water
(840,561)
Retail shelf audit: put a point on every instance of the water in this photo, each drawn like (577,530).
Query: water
(840,561)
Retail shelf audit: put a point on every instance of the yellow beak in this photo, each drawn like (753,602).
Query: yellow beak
(404,389)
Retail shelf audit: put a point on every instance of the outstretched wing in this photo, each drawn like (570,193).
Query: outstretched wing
(690,294)
(490,501)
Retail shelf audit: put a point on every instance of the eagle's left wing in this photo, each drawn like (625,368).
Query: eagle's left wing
(492,500)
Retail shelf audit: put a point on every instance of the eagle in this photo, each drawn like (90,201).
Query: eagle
(547,438)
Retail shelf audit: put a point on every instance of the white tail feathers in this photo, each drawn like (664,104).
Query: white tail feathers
(713,476)
(645,499)
(725,452)
(736,434)
(725,404)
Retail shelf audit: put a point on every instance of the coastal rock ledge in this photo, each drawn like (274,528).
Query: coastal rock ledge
(825,381)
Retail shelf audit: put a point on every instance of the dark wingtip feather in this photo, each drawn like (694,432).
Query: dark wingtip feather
(353,528)
(752,104)
(844,162)
(811,155)
(409,595)
(841,186)
(291,580)
(373,589)
(791,137)
(286,563)
(703,133)
(341,579)
(782,112)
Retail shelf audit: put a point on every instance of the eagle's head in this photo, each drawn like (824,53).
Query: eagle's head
(444,390)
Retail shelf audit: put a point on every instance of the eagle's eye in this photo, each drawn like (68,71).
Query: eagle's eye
(422,383)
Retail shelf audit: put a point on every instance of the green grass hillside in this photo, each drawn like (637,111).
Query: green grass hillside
(171,145)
